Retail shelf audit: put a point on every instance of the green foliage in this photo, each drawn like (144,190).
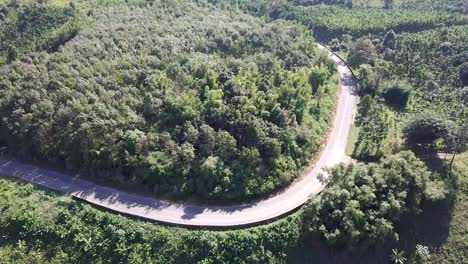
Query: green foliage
(328,22)
(388,4)
(33,28)
(423,130)
(366,103)
(342,44)
(435,54)
(398,257)
(390,39)
(377,136)
(459,142)
(25,253)
(421,75)
(346,3)
(363,202)
(362,52)
(455,245)
(221,107)
(11,54)
(254,7)
(432,61)
(369,79)
(49,228)
(464,73)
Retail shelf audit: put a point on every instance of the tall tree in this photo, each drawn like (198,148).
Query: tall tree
(362,51)
(422,130)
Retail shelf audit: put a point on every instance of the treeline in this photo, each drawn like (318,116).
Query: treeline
(181,102)
(41,228)
(438,70)
(435,60)
(328,22)
(27,28)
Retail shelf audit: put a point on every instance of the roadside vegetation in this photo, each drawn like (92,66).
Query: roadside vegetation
(412,86)
(227,101)
(367,203)
(43,227)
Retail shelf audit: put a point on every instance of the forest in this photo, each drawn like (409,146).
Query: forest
(225,101)
(174,103)
(330,21)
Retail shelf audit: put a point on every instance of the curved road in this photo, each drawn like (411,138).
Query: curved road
(207,216)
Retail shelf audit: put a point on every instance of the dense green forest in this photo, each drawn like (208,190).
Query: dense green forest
(228,100)
(39,227)
(414,74)
(330,21)
(34,28)
(182,101)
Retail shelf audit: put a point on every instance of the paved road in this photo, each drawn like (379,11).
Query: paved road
(207,216)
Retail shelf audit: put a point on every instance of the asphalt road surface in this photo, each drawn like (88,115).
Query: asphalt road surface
(207,216)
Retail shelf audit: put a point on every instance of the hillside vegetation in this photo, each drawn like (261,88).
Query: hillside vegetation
(42,227)
(180,102)
(361,210)
(204,101)
(331,21)
(33,28)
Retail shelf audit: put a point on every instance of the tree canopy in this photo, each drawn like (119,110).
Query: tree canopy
(363,203)
(424,129)
(177,101)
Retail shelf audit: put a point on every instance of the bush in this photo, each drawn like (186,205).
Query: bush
(377,136)
(369,79)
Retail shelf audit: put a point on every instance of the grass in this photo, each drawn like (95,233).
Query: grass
(455,248)
(352,139)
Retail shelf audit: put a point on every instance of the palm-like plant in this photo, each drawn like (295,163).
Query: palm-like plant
(423,253)
(398,257)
